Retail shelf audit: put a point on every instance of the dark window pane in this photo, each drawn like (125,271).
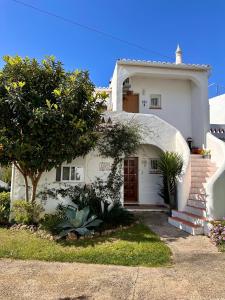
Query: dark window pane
(66,173)
(58,173)
(72,177)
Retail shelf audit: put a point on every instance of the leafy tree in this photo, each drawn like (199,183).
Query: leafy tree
(47,116)
(118,141)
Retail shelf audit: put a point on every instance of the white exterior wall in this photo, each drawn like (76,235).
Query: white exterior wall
(90,163)
(148,187)
(217,110)
(215,186)
(195,114)
(156,135)
(175,100)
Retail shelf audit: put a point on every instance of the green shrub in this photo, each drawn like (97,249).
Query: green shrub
(49,222)
(117,215)
(6,174)
(170,166)
(26,212)
(4,207)
(80,222)
(99,199)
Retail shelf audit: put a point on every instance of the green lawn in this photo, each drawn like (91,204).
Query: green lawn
(222,248)
(136,246)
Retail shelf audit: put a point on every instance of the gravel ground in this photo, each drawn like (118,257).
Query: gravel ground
(197,273)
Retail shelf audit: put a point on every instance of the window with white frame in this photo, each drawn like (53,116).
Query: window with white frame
(154,166)
(155,101)
(69,173)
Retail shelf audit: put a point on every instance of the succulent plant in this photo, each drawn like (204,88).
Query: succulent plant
(78,221)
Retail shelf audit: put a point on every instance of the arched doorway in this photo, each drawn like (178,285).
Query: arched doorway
(142,178)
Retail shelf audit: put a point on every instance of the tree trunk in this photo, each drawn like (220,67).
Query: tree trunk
(34,180)
(26,188)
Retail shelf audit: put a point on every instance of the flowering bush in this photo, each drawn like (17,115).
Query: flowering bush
(217,233)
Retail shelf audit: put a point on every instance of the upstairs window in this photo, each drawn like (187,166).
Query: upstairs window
(69,173)
(155,102)
(153,166)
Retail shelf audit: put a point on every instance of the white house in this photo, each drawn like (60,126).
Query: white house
(217,111)
(170,103)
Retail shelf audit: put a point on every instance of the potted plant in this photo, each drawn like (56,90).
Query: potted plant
(206,153)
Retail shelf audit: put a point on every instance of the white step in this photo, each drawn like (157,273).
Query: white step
(194,219)
(197,203)
(201,212)
(186,226)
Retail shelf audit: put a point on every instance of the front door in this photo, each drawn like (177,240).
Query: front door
(131,102)
(131,180)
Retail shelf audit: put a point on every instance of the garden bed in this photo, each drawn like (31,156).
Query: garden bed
(134,246)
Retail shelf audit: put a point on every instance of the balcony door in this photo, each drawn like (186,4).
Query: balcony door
(131,102)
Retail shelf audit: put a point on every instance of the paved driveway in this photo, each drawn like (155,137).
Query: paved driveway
(198,273)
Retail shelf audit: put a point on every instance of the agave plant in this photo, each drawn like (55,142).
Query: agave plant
(78,221)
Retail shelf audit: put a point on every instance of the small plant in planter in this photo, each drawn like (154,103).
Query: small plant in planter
(206,153)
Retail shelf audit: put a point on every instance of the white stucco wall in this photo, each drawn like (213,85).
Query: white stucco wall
(175,100)
(149,183)
(187,100)
(215,187)
(90,164)
(217,109)
(156,134)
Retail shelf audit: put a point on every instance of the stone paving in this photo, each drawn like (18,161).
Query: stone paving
(198,273)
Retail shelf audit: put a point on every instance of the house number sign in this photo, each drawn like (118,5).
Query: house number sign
(104,166)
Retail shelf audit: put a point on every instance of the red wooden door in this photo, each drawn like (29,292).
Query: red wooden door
(131,179)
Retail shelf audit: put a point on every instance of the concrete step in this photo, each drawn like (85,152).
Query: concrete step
(196,156)
(204,169)
(202,174)
(199,163)
(186,226)
(196,203)
(199,211)
(197,190)
(200,178)
(183,215)
(196,196)
(197,184)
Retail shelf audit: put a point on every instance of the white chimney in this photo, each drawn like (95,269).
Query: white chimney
(178,55)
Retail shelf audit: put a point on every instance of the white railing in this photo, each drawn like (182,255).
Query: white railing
(184,183)
(215,187)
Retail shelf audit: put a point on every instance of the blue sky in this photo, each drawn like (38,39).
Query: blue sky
(198,25)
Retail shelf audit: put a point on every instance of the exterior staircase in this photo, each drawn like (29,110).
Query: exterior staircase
(192,219)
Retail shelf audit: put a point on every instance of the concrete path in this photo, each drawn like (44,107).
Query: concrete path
(198,273)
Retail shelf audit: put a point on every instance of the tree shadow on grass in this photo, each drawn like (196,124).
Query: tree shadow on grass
(137,233)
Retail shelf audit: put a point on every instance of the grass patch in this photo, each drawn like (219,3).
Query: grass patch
(135,246)
(221,248)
